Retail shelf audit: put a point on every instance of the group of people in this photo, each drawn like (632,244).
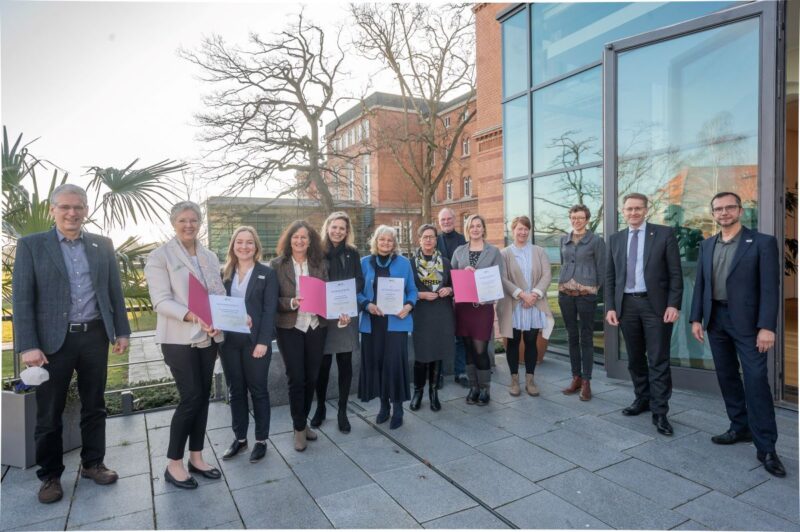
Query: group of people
(68,305)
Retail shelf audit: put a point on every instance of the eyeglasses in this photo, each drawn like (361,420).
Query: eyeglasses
(577,218)
(725,208)
(66,208)
(634,209)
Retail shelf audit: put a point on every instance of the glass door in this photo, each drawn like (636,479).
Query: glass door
(688,114)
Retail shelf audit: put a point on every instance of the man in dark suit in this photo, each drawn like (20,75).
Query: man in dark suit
(736,297)
(447,242)
(68,305)
(643,290)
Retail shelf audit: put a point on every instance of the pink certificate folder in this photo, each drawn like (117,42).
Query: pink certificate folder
(198,300)
(466,291)
(314,295)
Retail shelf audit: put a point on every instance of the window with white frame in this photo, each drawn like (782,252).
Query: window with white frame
(465,147)
(357,133)
(464,219)
(467,186)
(448,189)
(398,227)
(464,116)
(351,182)
(365,128)
(366,178)
(336,183)
(447,121)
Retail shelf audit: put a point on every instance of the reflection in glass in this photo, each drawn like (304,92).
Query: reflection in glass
(567,36)
(517,203)
(515,138)
(515,54)
(567,122)
(687,129)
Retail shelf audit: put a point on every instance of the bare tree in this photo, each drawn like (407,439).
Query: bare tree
(430,51)
(264,118)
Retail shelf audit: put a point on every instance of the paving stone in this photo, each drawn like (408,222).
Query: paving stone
(59,523)
(599,386)
(128,460)
(683,400)
(422,492)
(490,481)
(161,418)
(365,507)
(93,502)
(230,525)
(517,422)
(596,406)
(142,520)
(711,472)
(321,449)
(239,472)
(19,489)
(525,458)
(279,503)
(473,410)
(546,511)
(662,487)
(162,486)
(580,449)
(473,518)
(738,455)
(359,429)
(690,525)
(219,415)
(612,504)
(377,454)
(545,411)
(72,461)
(158,442)
(451,390)
(205,507)
(333,475)
(470,429)
(619,395)
(609,434)
(449,409)
(702,420)
(644,423)
(720,512)
(429,442)
(778,496)
(125,429)
(280,420)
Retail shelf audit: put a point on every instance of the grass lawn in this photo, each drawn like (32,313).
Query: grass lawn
(144,321)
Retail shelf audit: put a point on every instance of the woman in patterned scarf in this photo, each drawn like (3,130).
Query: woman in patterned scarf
(434,324)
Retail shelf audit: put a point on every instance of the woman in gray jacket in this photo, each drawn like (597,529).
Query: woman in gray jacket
(582,270)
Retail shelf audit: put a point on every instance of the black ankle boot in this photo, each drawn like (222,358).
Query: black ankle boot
(383,413)
(397,416)
(434,397)
(344,423)
(416,399)
(319,415)
(472,396)
(483,396)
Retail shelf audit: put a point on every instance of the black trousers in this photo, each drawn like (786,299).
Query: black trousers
(512,351)
(302,356)
(86,353)
(245,373)
(193,370)
(344,363)
(647,339)
(578,313)
(749,405)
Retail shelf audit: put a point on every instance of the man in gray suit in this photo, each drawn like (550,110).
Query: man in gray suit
(68,305)
(643,291)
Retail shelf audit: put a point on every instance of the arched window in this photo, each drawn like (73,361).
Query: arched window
(448,190)
(467,186)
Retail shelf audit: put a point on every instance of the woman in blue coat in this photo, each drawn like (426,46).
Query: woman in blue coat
(384,338)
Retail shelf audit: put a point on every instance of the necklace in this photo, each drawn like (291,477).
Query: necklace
(381,263)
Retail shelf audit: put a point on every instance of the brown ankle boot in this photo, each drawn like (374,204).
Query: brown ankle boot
(586,390)
(530,386)
(514,390)
(573,387)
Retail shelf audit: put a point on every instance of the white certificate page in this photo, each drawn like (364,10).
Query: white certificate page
(341,298)
(488,283)
(391,293)
(229,313)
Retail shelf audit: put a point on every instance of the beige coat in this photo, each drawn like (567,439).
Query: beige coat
(514,281)
(167,273)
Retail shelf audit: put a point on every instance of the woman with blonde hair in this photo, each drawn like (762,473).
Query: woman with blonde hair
(474,321)
(246,357)
(524,311)
(384,338)
(343,263)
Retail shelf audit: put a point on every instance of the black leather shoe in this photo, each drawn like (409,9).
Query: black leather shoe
(472,396)
(636,408)
(212,473)
(731,436)
(416,399)
(188,484)
(344,423)
(259,451)
(771,463)
(319,415)
(483,397)
(235,448)
(662,424)
(436,405)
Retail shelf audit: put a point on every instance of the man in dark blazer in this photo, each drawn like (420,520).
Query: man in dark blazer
(736,297)
(68,305)
(448,240)
(643,291)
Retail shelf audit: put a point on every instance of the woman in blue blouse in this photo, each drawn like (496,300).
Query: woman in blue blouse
(384,338)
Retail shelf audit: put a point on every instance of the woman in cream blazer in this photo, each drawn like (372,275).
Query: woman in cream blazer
(524,311)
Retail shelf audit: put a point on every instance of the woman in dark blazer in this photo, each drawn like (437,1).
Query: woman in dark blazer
(301,335)
(246,357)
(384,338)
(434,323)
(343,263)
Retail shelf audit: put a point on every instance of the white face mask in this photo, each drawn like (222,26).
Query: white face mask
(34,376)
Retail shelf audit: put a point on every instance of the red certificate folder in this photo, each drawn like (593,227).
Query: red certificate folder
(198,300)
